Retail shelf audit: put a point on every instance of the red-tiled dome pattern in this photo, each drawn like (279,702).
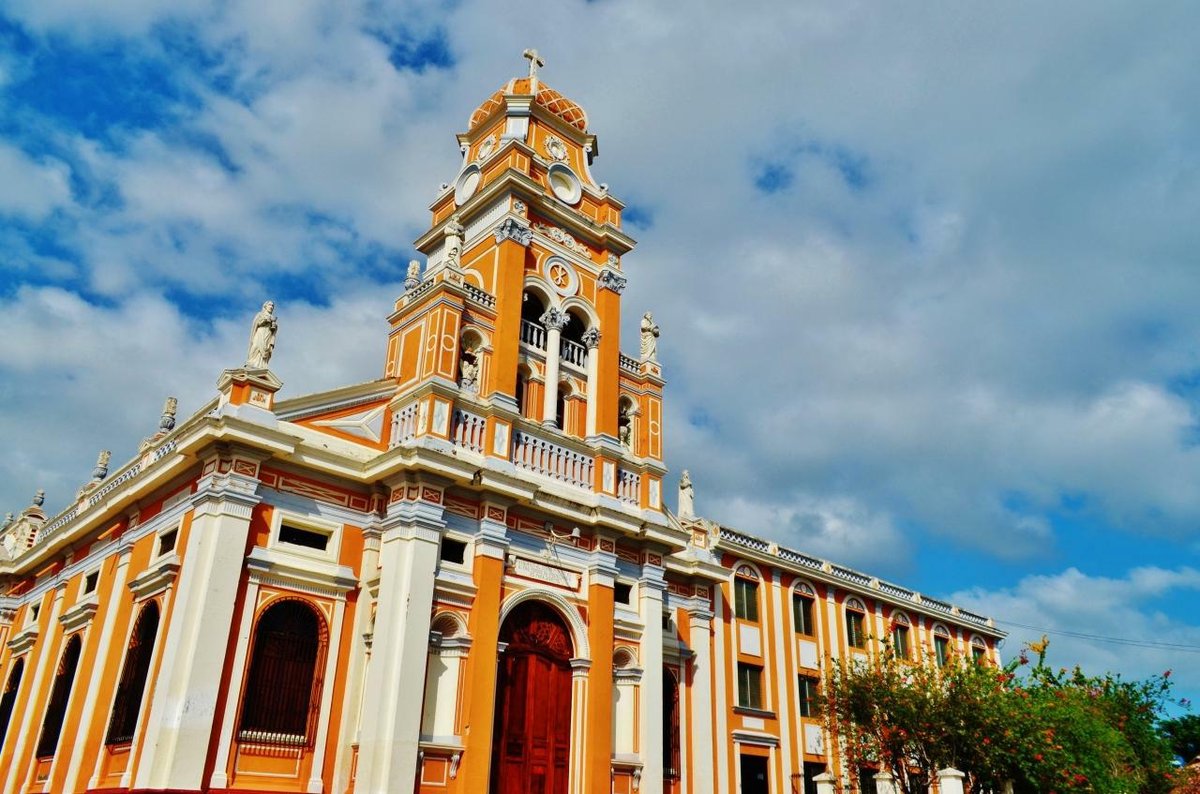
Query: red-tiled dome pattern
(547,97)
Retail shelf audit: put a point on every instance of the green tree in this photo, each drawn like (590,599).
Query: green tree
(1041,729)
(1184,735)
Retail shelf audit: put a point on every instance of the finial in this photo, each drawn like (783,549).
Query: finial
(39,498)
(9,518)
(262,337)
(101,470)
(166,422)
(413,279)
(535,62)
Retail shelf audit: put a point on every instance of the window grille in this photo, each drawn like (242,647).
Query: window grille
(283,687)
(127,704)
(671,762)
(60,696)
(9,699)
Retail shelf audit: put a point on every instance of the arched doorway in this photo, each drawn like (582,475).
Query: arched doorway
(532,740)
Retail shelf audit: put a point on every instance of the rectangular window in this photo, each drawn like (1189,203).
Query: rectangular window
(453,551)
(900,641)
(745,599)
(855,636)
(166,542)
(308,538)
(941,648)
(622,592)
(802,614)
(90,581)
(978,653)
(750,686)
(808,696)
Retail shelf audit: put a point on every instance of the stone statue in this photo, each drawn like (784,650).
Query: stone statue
(649,338)
(166,422)
(468,371)
(626,435)
(453,235)
(686,493)
(262,337)
(39,498)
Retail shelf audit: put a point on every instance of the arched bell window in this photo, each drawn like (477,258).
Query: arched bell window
(9,698)
(60,696)
(283,687)
(127,704)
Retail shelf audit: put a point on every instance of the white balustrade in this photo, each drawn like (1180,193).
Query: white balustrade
(572,353)
(533,334)
(552,460)
(629,486)
(404,425)
(469,431)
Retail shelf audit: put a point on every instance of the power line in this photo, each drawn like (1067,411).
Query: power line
(1166,646)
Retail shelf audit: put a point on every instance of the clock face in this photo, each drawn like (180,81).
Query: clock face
(562,276)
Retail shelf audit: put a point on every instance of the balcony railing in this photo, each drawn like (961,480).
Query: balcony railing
(629,486)
(533,334)
(542,456)
(571,352)
(469,431)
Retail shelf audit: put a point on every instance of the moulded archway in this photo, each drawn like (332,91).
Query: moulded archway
(531,743)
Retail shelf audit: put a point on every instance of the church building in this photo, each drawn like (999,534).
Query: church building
(463,577)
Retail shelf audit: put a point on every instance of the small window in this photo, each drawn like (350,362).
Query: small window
(856,635)
(745,599)
(166,542)
(808,696)
(941,646)
(866,780)
(90,581)
(308,538)
(33,612)
(750,686)
(802,611)
(978,650)
(622,593)
(453,551)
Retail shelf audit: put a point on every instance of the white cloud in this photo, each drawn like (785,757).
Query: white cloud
(30,189)
(1128,608)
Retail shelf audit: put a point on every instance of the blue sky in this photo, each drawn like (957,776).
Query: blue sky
(954,250)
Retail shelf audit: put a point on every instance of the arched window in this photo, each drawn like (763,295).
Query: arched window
(60,696)
(941,645)
(856,614)
(670,724)
(978,650)
(745,593)
(283,687)
(803,616)
(9,698)
(132,687)
(901,626)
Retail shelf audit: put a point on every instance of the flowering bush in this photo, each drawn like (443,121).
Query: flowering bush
(1041,729)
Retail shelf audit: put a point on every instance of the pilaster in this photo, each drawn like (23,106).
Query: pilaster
(389,741)
(183,708)
(651,587)
(699,628)
(602,572)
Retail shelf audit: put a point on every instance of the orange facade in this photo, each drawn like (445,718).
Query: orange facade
(461,577)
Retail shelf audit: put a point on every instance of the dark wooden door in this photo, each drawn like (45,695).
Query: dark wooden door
(754,775)
(532,742)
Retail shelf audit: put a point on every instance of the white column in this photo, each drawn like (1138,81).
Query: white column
(555,321)
(104,650)
(591,338)
(180,724)
(391,721)
(47,659)
(650,603)
(699,626)
(332,655)
(220,777)
(885,783)
(826,783)
(950,781)
(785,680)
(576,779)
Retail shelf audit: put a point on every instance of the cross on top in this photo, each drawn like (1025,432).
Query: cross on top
(535,61)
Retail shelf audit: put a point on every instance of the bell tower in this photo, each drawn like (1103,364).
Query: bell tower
(507,343)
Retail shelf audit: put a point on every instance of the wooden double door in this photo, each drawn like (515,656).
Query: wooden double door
(532,739)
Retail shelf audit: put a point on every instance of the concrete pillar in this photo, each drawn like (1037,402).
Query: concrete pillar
(651,587)
(181,720)
(602,572)
(826,783)
(950,781)
(885,783)
(701,751)
(391,725)
(591,338)
(555,321)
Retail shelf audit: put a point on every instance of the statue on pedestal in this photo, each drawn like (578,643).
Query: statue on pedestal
(262,337)
(649,338)
(686,494)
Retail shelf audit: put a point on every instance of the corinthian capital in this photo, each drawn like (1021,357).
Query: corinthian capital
(511,229)
(591,338)
(554,319)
